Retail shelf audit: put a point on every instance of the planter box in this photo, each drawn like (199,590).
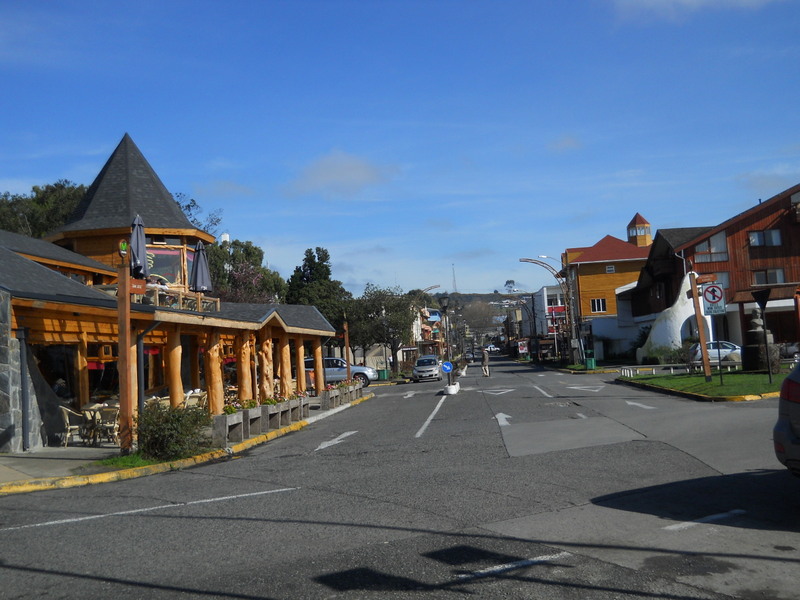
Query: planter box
(305,407)
(251,422)
(285,413)
(227,428)
(295,411)
(271,413)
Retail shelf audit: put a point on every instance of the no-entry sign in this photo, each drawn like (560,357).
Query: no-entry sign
(713,299)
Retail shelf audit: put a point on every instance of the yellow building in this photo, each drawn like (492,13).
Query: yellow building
(595,272)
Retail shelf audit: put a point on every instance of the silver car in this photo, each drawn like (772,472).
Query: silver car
(427,367)
(336,370)
(716,351)
(786,434)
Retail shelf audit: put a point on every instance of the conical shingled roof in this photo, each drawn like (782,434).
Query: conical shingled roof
(126,186)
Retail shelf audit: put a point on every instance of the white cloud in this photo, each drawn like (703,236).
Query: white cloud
(767,183)
(565,143)
(672,9)
(339,175)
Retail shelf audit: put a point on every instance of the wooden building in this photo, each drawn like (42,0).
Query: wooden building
(60,315)
(757,249)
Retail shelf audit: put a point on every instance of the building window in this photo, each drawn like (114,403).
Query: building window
(611,269)
(714,249)
(768,276)
(598,305)
(723,280)
(768,237)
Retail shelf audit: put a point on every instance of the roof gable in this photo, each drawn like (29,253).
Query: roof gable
(611,249)
(126,186)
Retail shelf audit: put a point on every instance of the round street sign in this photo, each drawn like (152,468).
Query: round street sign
(713,299)
(447,366)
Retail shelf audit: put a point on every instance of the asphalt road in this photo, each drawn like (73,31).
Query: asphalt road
(527,484)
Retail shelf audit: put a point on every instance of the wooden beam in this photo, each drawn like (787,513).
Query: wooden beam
(126,363)
(319,367)
(82,367)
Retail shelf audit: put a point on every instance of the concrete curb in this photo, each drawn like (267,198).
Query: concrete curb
(58,483)
(698,397)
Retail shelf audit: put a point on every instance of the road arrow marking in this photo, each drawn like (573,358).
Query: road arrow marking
(542,391)
(637,404)
(582,416)
(586,388)
(496,392)
(409,395)
(335,441)
(502,419)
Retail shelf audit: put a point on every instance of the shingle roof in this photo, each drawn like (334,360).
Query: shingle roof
(611,249)
(638,220)
(295,316)
(126,186)
(23,278)
(681,235)
(22,244)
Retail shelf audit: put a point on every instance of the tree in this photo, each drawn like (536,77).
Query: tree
(510,285)
(390,312)
(238,274)
(192,210)
(311,284)
(46,208)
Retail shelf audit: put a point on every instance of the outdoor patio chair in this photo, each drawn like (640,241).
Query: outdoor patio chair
(199,399)
(108,424)
(73,423)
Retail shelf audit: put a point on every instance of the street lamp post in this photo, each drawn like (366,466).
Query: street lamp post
(563,283)
(444,302)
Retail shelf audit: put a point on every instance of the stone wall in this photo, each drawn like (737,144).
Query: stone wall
(11,388)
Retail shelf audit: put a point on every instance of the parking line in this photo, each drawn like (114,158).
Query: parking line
(708,519)
(520,564)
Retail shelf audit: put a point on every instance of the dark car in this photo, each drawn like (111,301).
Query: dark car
(786,434)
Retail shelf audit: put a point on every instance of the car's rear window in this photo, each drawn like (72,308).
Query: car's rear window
(425,362)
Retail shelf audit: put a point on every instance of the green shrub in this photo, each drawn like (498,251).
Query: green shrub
(172,433)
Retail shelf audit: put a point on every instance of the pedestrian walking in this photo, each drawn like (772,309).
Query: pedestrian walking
(485,362)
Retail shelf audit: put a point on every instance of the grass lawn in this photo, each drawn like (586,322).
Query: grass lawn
(735,383)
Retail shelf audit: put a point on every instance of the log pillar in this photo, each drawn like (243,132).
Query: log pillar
(82,367)
(285,364)
(213,368)
(319,366)
(300,362)
(265,383)
(174,352)
(244,378)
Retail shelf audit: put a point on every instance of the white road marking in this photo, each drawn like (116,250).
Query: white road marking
(542,391)
(409,395)
(144,510)
(520,564)
(502,419)
(497,392)
(334,441)
(582,416)
(639,405)
(430,418)
(708,519)
(586,388)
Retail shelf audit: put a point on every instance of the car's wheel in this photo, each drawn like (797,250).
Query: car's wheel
(362,378)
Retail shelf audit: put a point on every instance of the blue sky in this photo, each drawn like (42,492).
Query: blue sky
(415,140)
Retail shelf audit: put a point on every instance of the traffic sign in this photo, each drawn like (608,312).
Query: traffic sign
(447,366)
(713,299)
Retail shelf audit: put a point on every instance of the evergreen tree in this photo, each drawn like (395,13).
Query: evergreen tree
(311,284)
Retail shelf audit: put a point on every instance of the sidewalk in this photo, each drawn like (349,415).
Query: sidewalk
(59,467)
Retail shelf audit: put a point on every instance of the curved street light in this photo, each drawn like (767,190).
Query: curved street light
(563,283)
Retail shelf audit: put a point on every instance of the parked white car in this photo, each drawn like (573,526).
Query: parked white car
(718,350)
(336,370)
